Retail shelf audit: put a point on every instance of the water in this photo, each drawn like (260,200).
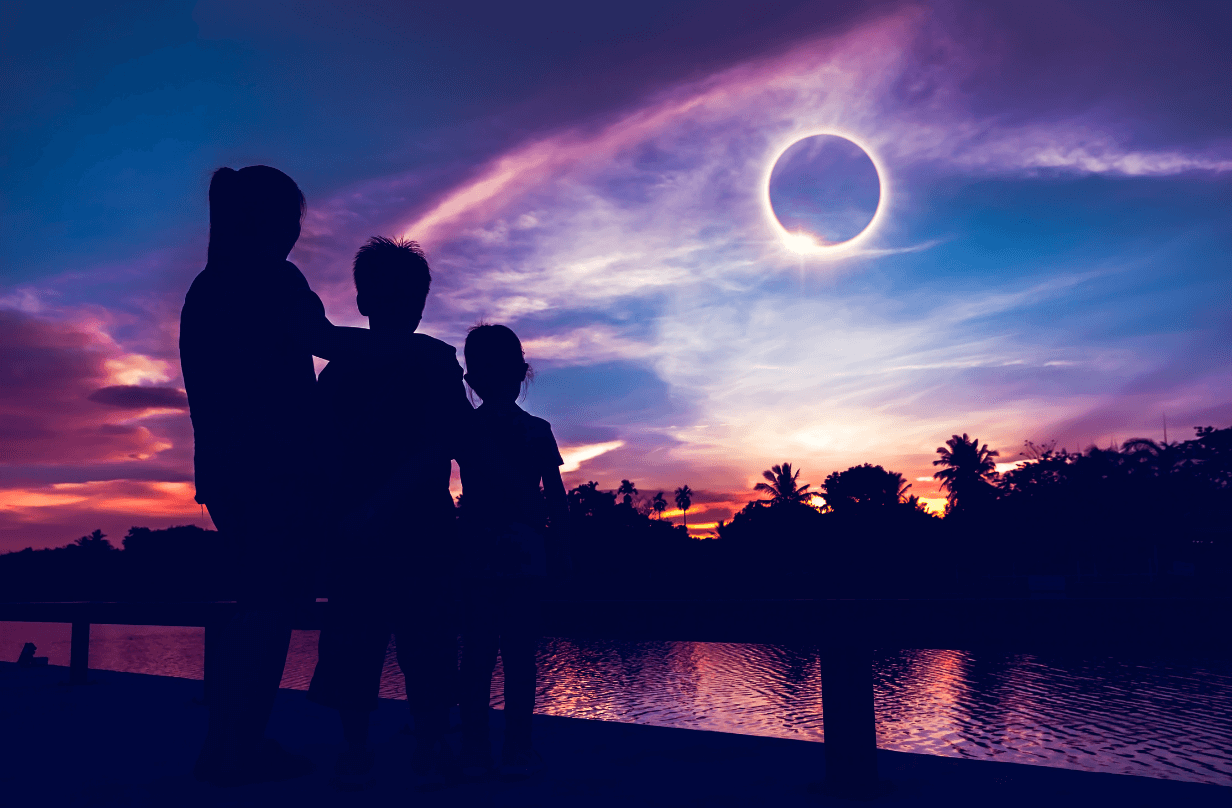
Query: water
(1168,719)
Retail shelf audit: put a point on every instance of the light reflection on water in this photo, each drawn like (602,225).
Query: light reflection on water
(1147,717)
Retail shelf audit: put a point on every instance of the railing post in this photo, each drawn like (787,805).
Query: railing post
(79,654)
(849,721)
(210,662)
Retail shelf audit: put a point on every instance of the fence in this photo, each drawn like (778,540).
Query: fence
(847,632)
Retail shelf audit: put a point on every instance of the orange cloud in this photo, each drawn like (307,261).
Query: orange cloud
(55,514)
(137,498)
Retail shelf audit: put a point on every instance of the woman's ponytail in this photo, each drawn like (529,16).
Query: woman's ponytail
(253,212)
(223,213)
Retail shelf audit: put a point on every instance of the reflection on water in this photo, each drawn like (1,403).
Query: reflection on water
(1146,717)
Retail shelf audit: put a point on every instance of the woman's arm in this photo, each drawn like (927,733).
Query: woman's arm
(313,330)
(330,341)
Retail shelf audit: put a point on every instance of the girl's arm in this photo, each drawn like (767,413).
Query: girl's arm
(560,557)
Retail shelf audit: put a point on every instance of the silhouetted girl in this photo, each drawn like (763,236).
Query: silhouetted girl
(248,332)
(513,532)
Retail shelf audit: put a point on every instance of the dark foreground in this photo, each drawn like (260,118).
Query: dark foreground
(129,739)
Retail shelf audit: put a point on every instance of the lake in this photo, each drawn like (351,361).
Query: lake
(1159,718)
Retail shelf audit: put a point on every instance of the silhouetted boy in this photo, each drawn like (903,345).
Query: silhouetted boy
(390,419)
(512,536)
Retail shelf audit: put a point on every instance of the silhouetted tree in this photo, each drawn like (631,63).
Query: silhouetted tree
(1119,512)
(684,498)
(1036,451)
(96,542)
(783,485)
(628,491)
(659,504)
(864,487)
(588,501)
(1147,457)
(1211,452)
(968,472)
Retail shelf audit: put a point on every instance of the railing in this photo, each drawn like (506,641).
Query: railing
(847,631)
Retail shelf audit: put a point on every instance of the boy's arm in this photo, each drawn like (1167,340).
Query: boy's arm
(332,435)
(456,407)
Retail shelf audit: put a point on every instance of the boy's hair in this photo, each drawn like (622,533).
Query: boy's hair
(392,270)
(494,345)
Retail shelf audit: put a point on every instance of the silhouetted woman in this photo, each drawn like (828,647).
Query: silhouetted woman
(248,332)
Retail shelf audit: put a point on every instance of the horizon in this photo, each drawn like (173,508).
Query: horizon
(1047,260)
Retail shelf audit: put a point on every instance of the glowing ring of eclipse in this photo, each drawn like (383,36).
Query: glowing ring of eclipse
(805,243)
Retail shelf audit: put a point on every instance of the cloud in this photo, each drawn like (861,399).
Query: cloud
(744,113)
(53,376)
(133,397)
(632,251)
(575,456)
(133,369)
(643,242)
(585,346)
(1075,147)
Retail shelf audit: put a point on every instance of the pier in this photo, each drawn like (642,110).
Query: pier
(129,739)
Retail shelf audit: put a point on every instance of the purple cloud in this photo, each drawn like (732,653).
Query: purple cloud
(135,397)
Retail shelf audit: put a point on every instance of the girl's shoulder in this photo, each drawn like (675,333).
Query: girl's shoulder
(537,435)
(537,426)
(513,420)
(530,423)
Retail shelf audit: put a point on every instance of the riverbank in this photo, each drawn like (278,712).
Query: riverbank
(129,739)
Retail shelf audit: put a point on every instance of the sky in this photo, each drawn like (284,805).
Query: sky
(1048,261)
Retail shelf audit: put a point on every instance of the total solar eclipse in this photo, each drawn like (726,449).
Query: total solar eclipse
(824,193)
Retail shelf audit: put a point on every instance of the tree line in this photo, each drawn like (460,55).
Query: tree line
(1146,516)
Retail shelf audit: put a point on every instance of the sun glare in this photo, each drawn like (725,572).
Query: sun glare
(802,243)
(805,243)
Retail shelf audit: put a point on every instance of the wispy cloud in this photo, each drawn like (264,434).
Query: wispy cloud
(677,337)
(654,228)
(575,456)
(587,345)
(1074,146)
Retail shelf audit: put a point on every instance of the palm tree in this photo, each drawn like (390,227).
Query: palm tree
(659,504)
(968,473)
(684,498)
(1152,458)
(628,490)
(96,542)
(783,486)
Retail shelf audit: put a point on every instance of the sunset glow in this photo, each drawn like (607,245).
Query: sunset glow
(1046,261)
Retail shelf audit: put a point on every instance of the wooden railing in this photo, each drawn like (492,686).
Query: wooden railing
(846,631)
